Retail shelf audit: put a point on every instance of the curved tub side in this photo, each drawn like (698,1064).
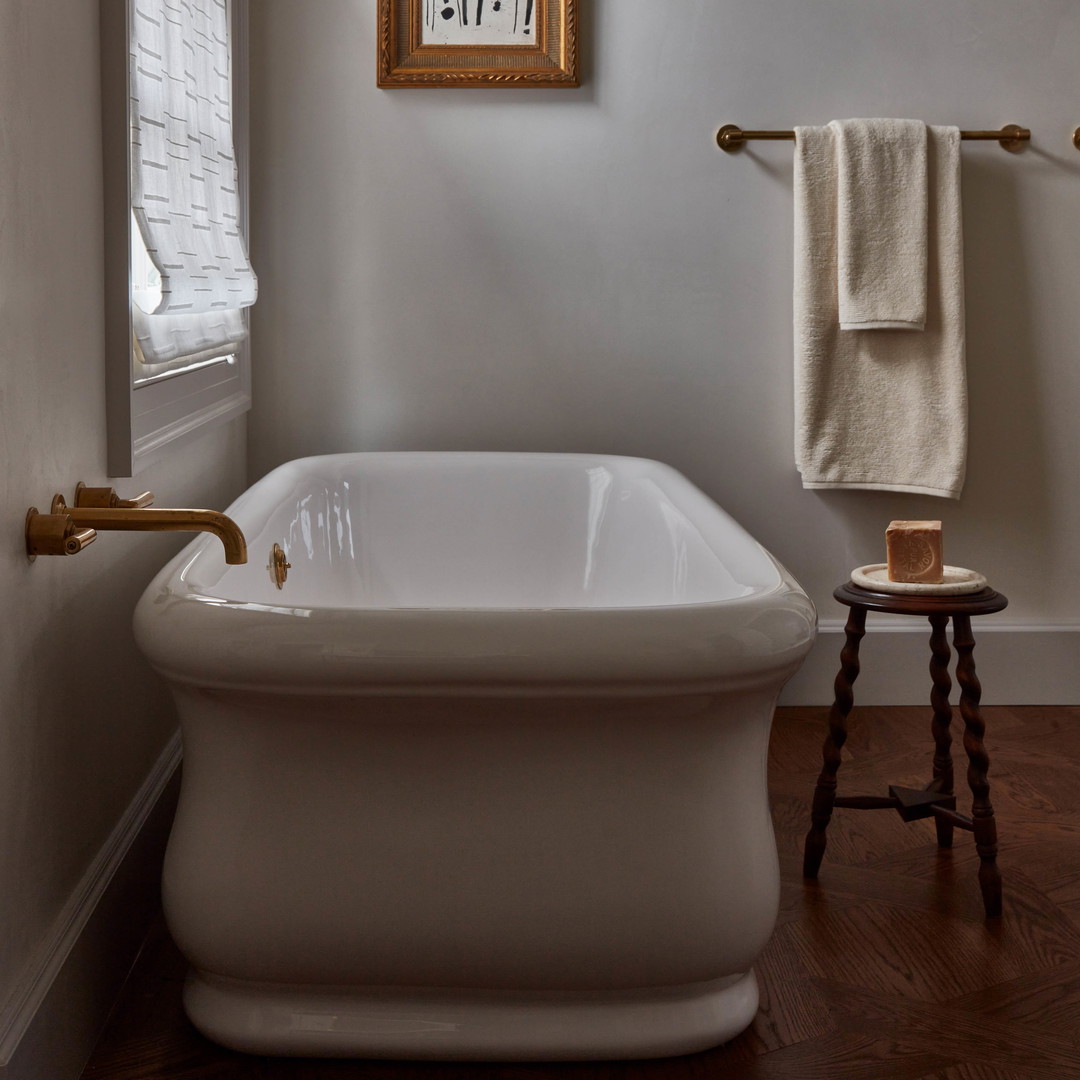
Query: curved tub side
(473,844)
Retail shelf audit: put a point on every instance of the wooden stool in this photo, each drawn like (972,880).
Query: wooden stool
(937,799)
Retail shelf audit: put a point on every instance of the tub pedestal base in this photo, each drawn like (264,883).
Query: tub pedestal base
(469,1025)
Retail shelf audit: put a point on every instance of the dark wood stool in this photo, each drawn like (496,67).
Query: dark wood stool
(937,799)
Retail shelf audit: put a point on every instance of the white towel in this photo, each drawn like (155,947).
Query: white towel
(881,223)
(881,409)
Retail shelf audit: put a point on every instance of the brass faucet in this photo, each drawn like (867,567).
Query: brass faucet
(66,530)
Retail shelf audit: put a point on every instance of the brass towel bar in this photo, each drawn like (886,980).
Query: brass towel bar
(731,137)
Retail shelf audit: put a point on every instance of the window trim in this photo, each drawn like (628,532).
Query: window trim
(145,423)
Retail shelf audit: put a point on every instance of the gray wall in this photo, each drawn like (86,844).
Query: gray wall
(583,270)
(82,719)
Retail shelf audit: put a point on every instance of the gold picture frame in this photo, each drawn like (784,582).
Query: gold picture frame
(441,43)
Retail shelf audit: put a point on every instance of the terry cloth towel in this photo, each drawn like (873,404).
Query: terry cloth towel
(879,409)
(881,224)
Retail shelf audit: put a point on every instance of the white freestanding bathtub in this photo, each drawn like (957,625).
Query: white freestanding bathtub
(486,778)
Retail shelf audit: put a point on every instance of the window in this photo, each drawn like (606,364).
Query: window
(172,367)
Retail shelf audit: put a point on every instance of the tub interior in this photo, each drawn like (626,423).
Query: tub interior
(479,530)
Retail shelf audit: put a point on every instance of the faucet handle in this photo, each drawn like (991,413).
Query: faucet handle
(77,539)
(54,534)
(105,498)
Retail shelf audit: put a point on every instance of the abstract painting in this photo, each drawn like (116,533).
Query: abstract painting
(477,43)
(466,22)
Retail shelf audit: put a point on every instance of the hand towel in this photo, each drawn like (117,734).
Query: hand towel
(881,223)
(878,409)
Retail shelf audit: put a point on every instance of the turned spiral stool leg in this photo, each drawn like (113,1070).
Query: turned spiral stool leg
(939,726)
(825,792)
(982,812)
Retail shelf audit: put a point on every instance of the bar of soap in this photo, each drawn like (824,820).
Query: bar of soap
(913,549)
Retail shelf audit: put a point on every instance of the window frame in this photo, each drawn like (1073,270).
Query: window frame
(144,423)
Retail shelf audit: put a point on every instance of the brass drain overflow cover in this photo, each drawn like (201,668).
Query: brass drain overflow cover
(278,567)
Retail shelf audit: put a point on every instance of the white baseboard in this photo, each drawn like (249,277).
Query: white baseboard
(49,1024)
(1016,664)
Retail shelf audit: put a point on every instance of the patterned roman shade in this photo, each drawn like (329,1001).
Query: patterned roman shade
(185,199)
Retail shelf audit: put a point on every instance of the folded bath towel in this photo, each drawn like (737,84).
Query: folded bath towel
(884,409)
(881,224)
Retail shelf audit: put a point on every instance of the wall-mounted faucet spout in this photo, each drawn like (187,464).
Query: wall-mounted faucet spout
(140,518)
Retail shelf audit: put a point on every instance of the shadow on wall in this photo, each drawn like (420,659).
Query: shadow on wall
(100,691)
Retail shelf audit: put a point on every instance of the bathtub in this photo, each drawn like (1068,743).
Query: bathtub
(485,778)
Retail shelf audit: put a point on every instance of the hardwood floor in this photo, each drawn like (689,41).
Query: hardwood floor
(885,969)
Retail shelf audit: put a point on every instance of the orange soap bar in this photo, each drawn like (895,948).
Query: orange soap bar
(913,549)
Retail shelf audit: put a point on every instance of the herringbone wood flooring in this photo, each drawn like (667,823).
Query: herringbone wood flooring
(883,970)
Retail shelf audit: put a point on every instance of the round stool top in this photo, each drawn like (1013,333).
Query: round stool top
(984,602)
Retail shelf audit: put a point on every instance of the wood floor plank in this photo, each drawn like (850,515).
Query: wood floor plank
(1048,726)
(952,891)
(963,1036)
(977,1072)
(921,955)
(1015,783)
(1072,910)
(863,835)
(801,899)
(847,1055)
(1049,1000)
(792,1009)
(1038,922)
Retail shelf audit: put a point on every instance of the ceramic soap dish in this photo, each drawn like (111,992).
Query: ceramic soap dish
(958,581)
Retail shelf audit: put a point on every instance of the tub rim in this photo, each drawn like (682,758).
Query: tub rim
(196,638)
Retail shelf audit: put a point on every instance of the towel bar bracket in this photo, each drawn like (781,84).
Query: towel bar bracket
(1011,137)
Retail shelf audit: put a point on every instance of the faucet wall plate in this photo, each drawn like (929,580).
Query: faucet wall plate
(55,534)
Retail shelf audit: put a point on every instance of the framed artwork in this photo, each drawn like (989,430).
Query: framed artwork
(477,43)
